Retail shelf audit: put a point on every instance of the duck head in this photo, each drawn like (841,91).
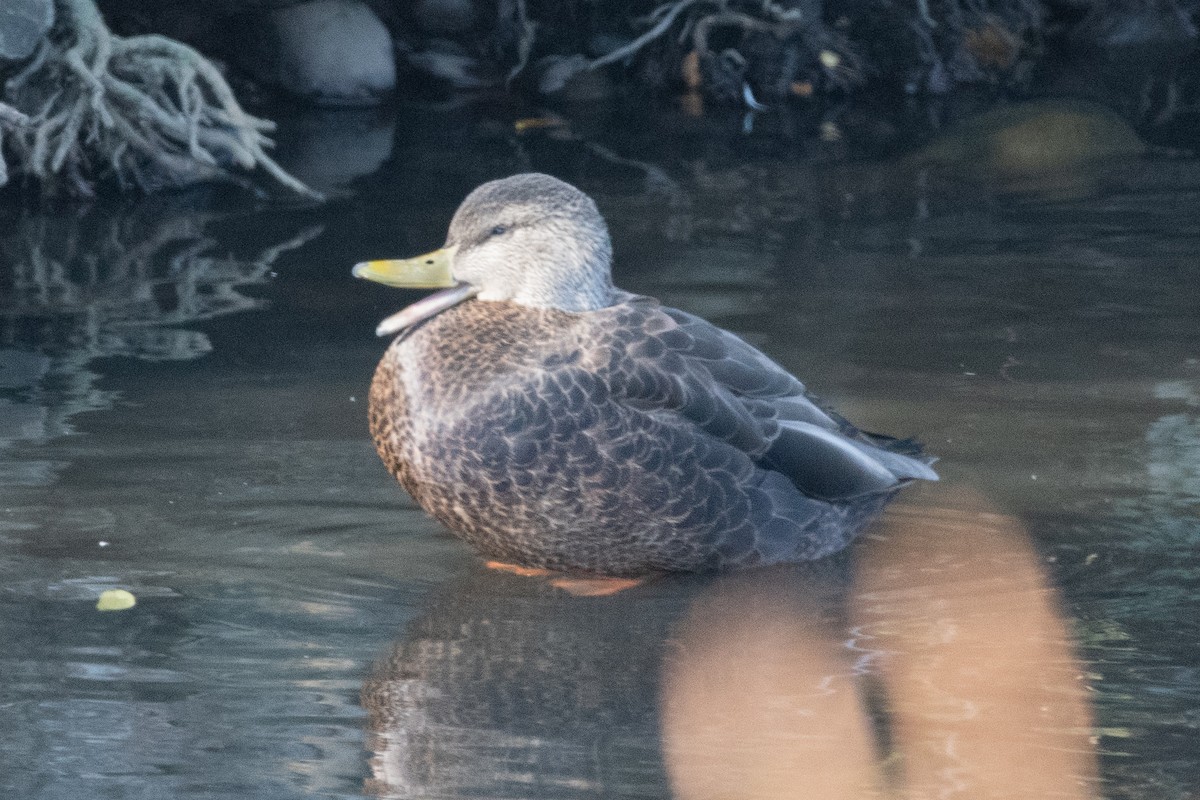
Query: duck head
(529,239)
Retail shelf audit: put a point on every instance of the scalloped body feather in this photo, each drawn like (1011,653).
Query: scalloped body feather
(588,441)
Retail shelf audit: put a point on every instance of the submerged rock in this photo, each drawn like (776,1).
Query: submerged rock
(329,148)
(23,23)
(1030,137)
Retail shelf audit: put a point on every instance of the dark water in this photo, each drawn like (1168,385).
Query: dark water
(182,414)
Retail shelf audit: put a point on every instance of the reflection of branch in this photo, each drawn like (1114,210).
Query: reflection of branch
(77,288)
(134,102)
(525,42)
(267,258)
(114,293)
(657,179)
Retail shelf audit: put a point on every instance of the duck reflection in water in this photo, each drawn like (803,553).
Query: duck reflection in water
(935,664)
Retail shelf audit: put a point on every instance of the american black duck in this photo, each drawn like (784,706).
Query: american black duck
(552,420)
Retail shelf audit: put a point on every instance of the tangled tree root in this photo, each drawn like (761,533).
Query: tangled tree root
(780,48)
(148,109)
(10,120)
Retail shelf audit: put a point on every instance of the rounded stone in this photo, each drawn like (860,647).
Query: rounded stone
(334,52)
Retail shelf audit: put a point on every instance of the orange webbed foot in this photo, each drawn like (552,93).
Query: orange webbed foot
(516,569)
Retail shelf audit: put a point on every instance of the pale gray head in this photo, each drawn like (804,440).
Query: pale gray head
(535,240)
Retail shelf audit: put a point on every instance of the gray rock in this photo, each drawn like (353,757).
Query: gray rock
(23,23)
(334,52)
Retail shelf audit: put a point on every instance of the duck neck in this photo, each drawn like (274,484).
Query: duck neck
(586,286)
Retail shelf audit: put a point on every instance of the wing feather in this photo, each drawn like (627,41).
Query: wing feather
(667,361)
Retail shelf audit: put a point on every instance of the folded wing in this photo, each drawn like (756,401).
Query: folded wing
(665,361)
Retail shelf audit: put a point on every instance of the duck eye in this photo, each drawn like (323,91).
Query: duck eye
(499,230)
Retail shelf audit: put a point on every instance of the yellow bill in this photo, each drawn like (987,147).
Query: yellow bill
(430,271)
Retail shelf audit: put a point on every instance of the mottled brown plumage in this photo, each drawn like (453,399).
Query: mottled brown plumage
(617,437)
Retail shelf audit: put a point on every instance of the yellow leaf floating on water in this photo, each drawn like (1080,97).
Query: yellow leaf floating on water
(526,124)
(1115,733)
(115,600)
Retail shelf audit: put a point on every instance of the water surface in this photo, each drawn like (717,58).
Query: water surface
(182,414)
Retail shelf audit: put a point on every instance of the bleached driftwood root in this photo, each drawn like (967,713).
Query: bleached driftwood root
(10,120)
(151,109)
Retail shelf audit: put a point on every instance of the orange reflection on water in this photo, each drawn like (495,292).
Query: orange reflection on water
(760,697)
(952,674)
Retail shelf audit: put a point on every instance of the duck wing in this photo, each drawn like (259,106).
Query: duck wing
(668,362)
